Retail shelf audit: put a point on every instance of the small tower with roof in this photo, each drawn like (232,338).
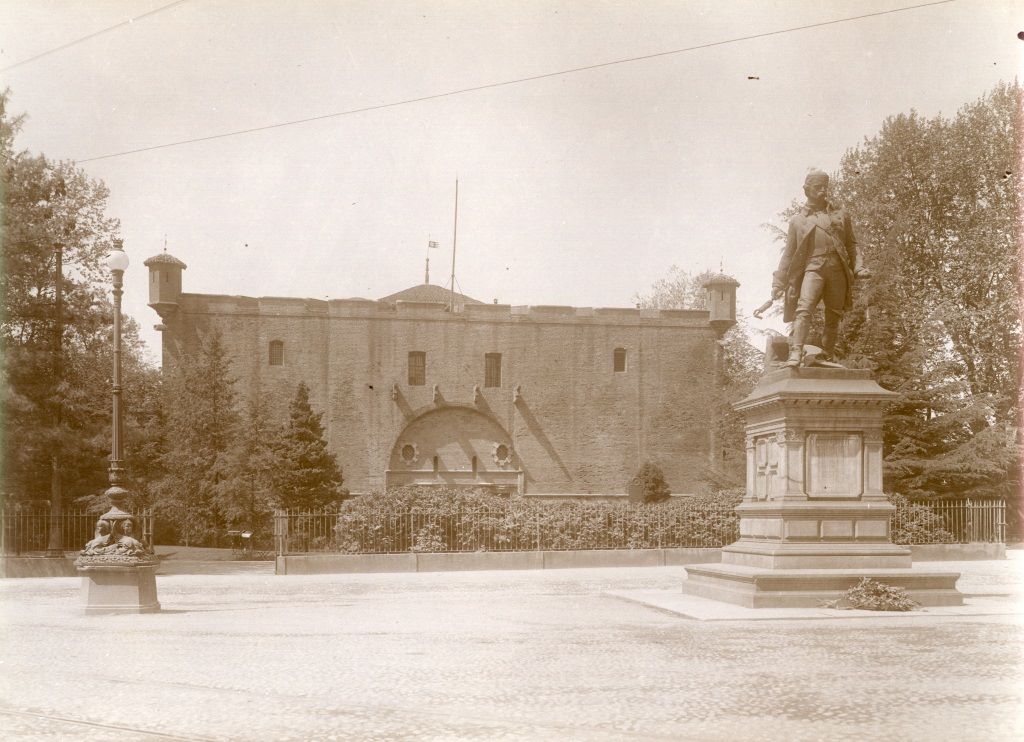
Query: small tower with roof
(721,294)
(164,285)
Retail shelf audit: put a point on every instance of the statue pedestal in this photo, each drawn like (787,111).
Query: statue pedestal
(814,519)
(118,588)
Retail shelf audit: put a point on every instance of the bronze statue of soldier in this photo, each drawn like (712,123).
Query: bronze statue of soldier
(819,264)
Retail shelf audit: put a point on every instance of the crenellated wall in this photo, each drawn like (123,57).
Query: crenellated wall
(575,425)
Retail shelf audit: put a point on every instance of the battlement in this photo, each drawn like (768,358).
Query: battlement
(438,311)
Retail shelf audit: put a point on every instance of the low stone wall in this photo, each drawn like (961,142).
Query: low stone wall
(310,564)
(307,564)
(957,552)
(37,566)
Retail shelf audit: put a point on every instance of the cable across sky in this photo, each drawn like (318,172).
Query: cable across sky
(503,83)
(93,35)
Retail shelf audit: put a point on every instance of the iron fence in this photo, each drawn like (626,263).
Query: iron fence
(25,530)
(966,521)
(540,527)
(511,528)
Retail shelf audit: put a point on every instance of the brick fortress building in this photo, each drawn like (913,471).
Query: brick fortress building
(539,400)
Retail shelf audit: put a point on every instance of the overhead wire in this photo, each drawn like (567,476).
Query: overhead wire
(93,35)
(516,81)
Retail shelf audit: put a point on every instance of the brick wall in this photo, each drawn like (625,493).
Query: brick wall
(577,427)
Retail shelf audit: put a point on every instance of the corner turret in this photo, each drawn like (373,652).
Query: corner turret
(721,290)
(164,285)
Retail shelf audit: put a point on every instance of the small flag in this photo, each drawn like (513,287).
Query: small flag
(432,243)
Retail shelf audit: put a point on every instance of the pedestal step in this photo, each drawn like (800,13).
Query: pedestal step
(755,587)
(801,556)
(119,589)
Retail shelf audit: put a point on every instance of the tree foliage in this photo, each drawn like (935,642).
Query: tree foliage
(57,406)
(936,204)
(742,364)
(249,502)
(307,475)
(651,478)
(201,432)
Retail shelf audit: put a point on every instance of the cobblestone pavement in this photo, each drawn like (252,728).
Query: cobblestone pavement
(543,655)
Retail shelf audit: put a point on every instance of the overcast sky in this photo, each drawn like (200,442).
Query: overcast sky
(579,189)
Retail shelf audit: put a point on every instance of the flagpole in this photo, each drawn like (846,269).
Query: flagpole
(455,236)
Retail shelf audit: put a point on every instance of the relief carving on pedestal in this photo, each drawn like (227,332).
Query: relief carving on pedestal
(114,545)
(766,466)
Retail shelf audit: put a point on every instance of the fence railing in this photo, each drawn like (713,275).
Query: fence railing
(967,521)
(537,528)
(25,531)
(588,526)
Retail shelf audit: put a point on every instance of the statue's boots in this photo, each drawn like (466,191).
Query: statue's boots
(796,354)
(830,334)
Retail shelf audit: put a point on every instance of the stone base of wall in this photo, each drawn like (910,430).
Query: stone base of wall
(307,564)
(37,566)
(957,552)
(310,564)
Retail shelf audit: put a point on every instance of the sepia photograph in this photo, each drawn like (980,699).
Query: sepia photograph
(534,370)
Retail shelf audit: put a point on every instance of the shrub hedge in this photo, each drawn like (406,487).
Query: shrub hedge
(427,519)
(431,519)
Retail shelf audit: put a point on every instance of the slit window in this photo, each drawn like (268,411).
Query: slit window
(619,360)
(492,369)
(276,353)
(417,368)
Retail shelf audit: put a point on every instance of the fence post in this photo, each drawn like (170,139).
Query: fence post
(280,532)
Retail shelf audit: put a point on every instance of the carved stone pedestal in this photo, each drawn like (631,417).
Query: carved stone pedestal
(118,571)
(814,519)
(119,589)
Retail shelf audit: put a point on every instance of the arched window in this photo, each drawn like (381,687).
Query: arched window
(276,353)
(619,360)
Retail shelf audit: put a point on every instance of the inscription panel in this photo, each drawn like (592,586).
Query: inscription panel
(835,465)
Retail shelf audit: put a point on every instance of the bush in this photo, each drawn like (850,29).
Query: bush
(652,479)
(917,524)
(870,595)
(427,519)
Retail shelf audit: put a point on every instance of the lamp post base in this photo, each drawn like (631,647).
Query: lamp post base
(111,588)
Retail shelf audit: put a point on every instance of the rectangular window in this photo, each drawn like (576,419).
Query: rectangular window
(276,353)
(417,368)
(619,360)
(492,369)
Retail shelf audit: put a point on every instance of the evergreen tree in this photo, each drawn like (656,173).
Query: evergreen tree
(307,476)
(56,406)
(201,433)
(249,501)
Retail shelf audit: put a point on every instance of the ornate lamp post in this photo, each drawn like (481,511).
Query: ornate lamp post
(117,262)
(117,569)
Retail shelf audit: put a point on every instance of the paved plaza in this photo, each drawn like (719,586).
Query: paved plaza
(542,655)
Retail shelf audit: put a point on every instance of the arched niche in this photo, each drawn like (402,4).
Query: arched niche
(439,448)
